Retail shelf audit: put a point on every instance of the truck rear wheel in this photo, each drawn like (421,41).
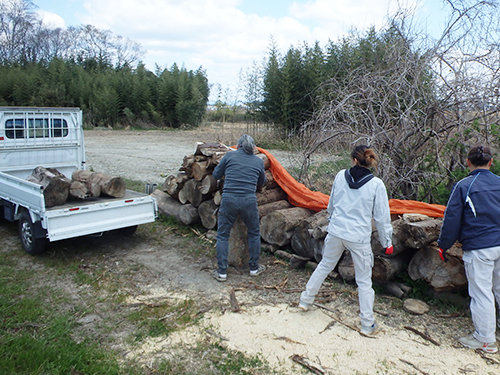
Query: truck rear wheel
(31,244)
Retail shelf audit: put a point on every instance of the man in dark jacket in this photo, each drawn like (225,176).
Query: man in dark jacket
(243,172)
(472,217)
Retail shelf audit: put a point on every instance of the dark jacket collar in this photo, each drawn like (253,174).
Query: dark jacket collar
(358,176)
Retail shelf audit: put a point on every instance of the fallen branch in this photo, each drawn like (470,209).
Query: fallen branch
(415,367)
(287,339)
(330,325)
(311,366)
(423,335)
(210,332)
(340,321)
(491,361)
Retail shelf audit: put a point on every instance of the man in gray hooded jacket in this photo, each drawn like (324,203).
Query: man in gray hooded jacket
(243,172)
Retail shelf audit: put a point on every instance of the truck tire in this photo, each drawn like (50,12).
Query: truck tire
(31,244)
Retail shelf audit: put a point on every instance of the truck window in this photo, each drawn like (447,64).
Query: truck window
(36,128)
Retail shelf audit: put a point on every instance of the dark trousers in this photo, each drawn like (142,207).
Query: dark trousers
(231,207)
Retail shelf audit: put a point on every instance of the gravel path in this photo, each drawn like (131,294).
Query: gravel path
(148,156)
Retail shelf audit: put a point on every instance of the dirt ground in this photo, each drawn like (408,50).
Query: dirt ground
(159,266)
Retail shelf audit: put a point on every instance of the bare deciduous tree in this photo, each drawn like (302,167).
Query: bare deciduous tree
(424,103)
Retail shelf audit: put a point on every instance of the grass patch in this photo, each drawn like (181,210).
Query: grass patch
(36,333)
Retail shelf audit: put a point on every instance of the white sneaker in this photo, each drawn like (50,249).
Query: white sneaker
(258,271)
(304,306)
(370,330)
(471,342)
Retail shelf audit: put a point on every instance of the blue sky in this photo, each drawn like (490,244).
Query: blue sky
(224,36)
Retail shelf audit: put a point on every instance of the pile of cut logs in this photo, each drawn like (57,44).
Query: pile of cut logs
(193,196)
(57,188)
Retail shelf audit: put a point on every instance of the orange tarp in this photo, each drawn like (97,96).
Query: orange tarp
(299,195)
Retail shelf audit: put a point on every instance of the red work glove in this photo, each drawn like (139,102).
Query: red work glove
(442,255)
(389,250)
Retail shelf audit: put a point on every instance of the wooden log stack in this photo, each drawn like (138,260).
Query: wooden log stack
(193,196)
(57,188)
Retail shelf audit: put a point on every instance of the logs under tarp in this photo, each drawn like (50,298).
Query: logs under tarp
(301,232)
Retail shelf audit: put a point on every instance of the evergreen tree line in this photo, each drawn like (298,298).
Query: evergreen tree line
(92,69)
(294,85)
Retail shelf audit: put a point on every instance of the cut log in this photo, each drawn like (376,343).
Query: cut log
(85,177)
(191,193)
(208,185)
(270,181)
(55,185)
(110,185)
(167,205)
(397,289)
(218,197)
(78,190)
(171,186)
(303,244)
(200,169)
(422,233)
(277,227)
(399,237)
(266,209)
(443,277)
(384,269)
(270,195)
(189,214)
(208,214)
(211,149)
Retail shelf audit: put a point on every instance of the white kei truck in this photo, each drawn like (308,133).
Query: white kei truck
(53,138)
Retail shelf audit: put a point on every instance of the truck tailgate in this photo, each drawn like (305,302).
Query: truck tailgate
(96,215)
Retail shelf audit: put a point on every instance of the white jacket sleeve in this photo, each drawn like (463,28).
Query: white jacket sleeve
(382,215)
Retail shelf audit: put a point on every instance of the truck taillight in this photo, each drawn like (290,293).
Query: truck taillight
(129,200)
(74,209)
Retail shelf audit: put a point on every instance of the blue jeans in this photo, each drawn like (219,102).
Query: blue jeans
(231,207)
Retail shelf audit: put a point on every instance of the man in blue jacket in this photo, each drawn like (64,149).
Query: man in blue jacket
(472,217)
(243,172)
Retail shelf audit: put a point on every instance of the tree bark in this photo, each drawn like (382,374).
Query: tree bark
(271,195)
(267,208)
(277,227)
(55,185)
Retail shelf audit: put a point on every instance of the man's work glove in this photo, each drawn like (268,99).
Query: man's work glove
(442,255)
(389,250)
